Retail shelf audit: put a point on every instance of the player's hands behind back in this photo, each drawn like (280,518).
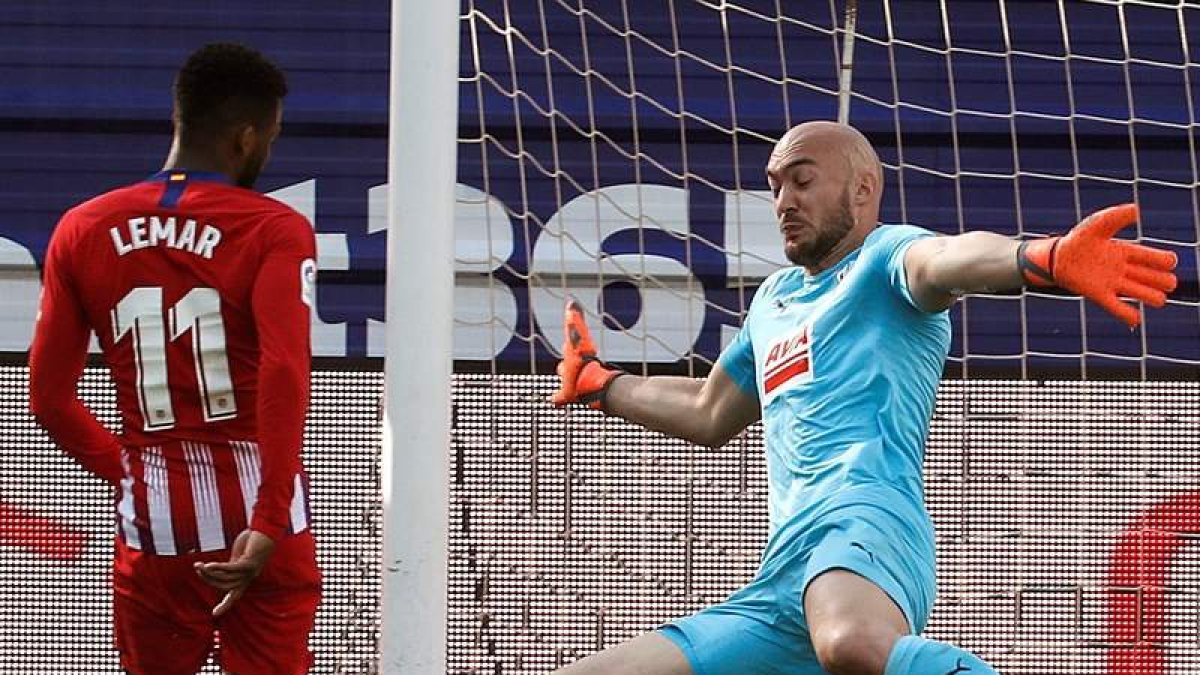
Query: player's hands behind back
(249,554)
(584,377)
(1088,261)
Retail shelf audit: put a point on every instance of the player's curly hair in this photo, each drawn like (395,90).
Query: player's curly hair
(222,85)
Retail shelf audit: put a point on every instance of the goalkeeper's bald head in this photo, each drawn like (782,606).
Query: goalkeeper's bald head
(856,150)
(827,184)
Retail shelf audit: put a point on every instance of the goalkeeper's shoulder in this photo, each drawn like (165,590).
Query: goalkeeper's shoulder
(891,235)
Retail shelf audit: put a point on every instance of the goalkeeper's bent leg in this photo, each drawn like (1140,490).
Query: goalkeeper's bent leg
(912,655)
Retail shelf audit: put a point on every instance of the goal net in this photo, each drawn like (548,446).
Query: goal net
(614,151)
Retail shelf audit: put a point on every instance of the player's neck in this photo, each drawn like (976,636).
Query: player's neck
(849,244)
(183,157)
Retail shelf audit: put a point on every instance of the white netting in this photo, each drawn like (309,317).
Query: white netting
(614,150)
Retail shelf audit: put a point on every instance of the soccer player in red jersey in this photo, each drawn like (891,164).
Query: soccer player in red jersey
(199,290)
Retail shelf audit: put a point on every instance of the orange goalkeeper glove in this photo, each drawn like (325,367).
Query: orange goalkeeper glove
(1089,262)
(585,378)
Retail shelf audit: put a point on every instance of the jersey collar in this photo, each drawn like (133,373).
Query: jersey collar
(186,175)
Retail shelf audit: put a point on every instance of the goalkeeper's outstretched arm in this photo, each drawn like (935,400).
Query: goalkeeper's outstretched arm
(940,269)
(708,412)
(1087,261)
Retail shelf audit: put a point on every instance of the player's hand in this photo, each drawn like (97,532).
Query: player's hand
(584,377)
(249,554)
(1088,261)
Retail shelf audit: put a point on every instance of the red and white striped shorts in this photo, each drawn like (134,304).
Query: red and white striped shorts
(185,497)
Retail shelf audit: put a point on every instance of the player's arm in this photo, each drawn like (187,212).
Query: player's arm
(939,269)
(56,360)
(280,302)
(1086,261)
(707,412)
(281,305)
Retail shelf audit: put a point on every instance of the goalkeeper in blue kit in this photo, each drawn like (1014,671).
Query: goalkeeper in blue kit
(840,356)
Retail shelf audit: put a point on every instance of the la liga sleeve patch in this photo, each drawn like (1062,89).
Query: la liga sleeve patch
(308,281)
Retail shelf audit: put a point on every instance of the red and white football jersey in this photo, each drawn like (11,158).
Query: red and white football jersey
(199,293)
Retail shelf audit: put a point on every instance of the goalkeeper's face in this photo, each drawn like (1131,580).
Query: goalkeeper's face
(811,183)
(811,245)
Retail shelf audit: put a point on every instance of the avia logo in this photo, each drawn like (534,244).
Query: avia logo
(788,358)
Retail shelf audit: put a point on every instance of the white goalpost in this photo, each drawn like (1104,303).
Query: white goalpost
(423,115)
(846,81)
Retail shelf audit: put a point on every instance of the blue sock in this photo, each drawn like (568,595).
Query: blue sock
(914,655)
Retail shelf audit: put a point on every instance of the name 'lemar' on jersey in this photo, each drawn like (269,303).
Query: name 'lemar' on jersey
(169,231)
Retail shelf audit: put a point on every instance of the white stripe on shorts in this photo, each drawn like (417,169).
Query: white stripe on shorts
(125,515)
(299,514)
(210,527)
(158,501)
(245,453)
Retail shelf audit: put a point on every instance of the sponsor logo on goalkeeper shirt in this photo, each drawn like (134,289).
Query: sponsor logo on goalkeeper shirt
(788,362)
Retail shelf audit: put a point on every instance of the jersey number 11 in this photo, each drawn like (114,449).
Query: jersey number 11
(140,312)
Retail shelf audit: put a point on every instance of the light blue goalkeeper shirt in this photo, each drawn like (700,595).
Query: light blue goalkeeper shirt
(846,368)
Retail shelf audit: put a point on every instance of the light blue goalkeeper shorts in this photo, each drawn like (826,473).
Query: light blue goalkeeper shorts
(761,628)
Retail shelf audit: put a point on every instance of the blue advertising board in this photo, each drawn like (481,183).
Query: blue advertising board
(616,153)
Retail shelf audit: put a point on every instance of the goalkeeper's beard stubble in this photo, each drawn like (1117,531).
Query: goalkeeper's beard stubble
(828,235)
